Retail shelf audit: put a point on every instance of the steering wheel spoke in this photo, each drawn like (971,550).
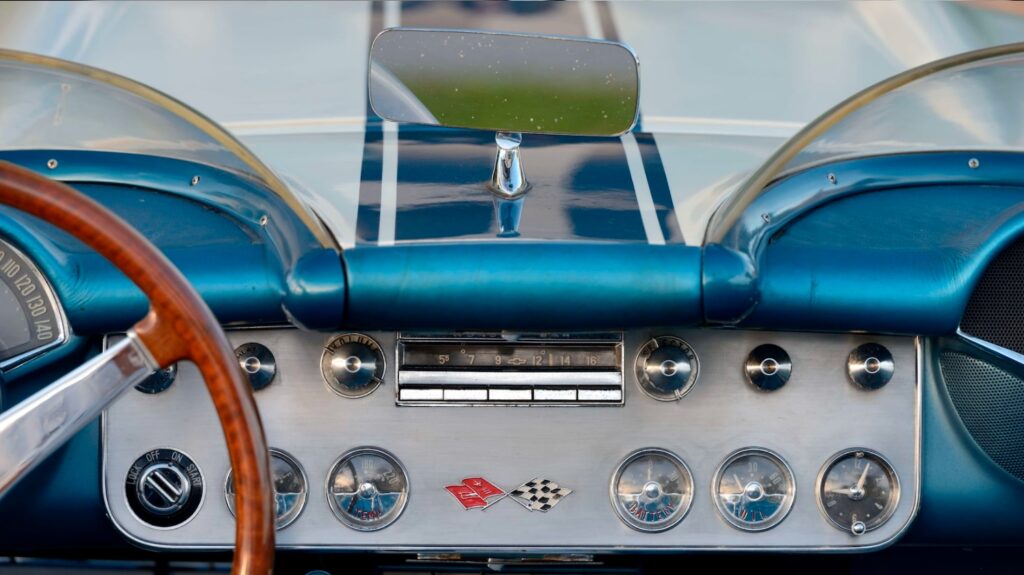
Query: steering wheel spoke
(36,427)
(179,326)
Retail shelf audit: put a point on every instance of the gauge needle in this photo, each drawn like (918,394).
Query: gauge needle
(863,476)
(739,483)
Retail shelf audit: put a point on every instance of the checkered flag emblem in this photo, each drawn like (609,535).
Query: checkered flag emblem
(539,494)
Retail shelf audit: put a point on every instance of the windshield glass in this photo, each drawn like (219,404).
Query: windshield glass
(972,106)
(53,104)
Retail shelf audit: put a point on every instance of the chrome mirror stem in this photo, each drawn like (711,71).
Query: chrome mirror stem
(36,427)
(508,179)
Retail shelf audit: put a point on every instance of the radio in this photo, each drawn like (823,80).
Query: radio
(504,369)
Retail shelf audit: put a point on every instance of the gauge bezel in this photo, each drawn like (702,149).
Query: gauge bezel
(379,351)
(400,506)
(894,488)
(62,327)
(682,392)
(305,481)
(787,505)
(628,519)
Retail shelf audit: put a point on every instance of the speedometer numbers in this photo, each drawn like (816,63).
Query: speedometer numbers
(754,489)
(858,490)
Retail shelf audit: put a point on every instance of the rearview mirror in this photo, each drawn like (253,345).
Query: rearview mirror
(504,82)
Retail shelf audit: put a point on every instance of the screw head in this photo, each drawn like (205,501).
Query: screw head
(973,163)
(832,179)
(51,163)
(195,180)
(263,220)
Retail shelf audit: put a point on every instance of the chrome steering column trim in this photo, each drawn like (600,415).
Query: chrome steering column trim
(36,427)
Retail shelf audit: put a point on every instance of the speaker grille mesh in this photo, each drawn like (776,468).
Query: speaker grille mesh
(991,404)
(995,312)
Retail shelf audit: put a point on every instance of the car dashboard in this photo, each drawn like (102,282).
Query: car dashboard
(829,363)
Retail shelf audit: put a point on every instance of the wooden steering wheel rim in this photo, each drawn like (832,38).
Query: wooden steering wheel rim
(178,326)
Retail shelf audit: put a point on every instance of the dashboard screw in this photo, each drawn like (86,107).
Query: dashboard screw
(195,180)
(52,164)
(766,217)
(973,163)
(832,179)
(264,220)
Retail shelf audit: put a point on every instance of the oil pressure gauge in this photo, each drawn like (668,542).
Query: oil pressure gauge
(652,490)
(666,368)
(367,489)
(754,489)
(858,490)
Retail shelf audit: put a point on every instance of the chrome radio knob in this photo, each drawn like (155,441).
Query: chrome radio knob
(666,368)
(352,365)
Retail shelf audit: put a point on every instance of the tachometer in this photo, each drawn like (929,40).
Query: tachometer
(754,489)
(30,320)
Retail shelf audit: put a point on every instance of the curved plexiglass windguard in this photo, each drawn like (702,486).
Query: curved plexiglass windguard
(975,106)
(52,104)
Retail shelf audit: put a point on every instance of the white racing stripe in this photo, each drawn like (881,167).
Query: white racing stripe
(389,161)
(644,199)
(648,213)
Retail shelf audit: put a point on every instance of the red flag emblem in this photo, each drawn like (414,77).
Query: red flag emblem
(475,492)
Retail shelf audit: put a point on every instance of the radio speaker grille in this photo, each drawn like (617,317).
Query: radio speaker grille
(995,312)
(991,404)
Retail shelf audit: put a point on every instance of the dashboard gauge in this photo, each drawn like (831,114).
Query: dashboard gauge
(754,489)
(666,368)
(858,490)
(652,490)
(352,365)
(30,319)
(290,488)
(367,489)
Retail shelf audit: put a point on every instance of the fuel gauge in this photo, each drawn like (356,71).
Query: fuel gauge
(652,490)
(858,490)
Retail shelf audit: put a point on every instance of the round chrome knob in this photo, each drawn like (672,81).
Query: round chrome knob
(257,363)
(768,367)
(352,365)
(666,368)
(870,366)
(164,488)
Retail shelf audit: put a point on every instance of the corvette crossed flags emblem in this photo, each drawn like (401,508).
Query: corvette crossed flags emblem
(538,494)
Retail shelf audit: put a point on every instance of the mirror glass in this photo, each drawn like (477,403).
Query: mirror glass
(504,82)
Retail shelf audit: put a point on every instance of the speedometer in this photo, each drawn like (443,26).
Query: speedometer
(30,320)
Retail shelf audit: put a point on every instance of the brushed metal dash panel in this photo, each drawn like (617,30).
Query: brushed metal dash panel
(816,414)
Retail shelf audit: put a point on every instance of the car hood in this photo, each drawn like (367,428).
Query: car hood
(723,85)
